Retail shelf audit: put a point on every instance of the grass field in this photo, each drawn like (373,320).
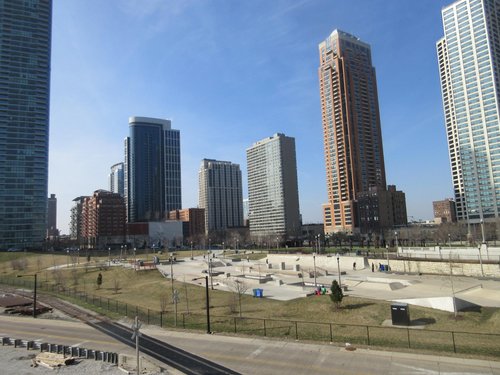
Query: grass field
(311,318)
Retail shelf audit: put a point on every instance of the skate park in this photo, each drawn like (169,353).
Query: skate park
(289,276)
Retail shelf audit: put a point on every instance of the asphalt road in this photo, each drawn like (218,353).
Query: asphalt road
(256,356)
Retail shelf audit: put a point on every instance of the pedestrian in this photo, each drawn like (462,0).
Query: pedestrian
(354,266)
(373,267)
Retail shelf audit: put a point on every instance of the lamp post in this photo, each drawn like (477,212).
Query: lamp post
(109,256)
(396,235)
(34,292)
(314,262)
(449,240)
(207,297)
(277,239)
(172,273)
(135,258)
(480,260)
(338,266)
(210,271)
(482,231)
(121,253)
(319,243)
(192,257)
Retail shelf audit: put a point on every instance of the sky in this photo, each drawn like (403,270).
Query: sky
(229,73)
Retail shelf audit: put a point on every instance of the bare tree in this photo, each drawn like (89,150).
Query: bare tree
(116,285)
(163,302)
(239,288)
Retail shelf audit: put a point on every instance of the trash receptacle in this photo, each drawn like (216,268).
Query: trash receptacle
(254,292)
(259,293)
(400,314)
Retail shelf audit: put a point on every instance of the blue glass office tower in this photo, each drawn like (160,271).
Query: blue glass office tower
(152,169)
(25,40)
(469,66)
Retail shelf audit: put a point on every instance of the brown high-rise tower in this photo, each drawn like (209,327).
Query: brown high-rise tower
(354,156)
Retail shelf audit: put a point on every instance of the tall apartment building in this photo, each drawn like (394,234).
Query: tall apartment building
(116,179)
(354,157)
(75,224)
(444,211)
(220,194)
(103,219)
(469,67)
(25,42)
(272,187)
(152,169)
(52,216)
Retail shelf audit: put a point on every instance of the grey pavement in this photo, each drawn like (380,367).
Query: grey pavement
(261,356)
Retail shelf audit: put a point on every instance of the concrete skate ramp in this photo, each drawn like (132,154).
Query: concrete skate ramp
(380,286)
(440,303)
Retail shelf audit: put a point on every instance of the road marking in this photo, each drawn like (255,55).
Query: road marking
(426,371)
(255,353)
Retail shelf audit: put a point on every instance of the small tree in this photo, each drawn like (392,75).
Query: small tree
(239,288)
(99,281)
(337,294)
(163,302)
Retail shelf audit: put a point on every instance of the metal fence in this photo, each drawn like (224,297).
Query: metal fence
(485,344)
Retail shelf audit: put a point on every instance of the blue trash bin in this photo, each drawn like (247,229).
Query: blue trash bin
(260,293)
(255,292)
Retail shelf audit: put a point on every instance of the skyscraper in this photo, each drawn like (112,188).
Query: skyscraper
(25,41)
(469,67)
(354,155)
(116,179)
(220,194)
(152,169)
(272,187)
(52,216)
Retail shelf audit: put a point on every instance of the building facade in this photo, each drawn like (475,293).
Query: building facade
(469,68)
(152,169)
(76,220)
(220,194)
(103,219)
(354,157)
(272,187)
(52,217)
(380,209)
(194,222)
(117,179)
(25,44)
(444,211)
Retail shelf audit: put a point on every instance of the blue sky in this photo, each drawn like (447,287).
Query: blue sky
(231,72)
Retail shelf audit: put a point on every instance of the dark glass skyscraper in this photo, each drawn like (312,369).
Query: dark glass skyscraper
(25,40)
(152,169)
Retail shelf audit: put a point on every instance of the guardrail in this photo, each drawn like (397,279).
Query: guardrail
(485,344)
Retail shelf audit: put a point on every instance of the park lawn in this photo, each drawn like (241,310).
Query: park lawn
(147,289)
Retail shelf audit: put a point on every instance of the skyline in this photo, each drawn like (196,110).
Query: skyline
(239,71)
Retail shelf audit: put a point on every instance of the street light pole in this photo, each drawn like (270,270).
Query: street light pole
(207,299)
(172,273)
(482,231)
(192,257)
(314,262)
(338,266)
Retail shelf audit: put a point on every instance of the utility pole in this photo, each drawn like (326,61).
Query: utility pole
(136,335)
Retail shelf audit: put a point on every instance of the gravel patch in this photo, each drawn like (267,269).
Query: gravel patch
(18,361)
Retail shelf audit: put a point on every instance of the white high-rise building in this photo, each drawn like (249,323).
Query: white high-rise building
(116,179)
(469,58)
(272,187)
(221,194)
